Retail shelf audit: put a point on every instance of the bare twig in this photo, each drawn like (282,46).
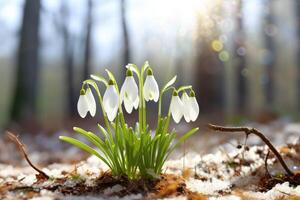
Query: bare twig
(22,149)
(254,131)
(266,164)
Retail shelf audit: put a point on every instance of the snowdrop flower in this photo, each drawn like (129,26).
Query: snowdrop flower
(194,107)
(129,92)
(150,90)
(186,106)
(176,107)
(86,103)
(111,101)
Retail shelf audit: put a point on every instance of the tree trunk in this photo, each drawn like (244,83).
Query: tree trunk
(297,7)
(126,49)
(269,60)
(88,42)
(68,52)
(25,93)
(240,59)
(208,79)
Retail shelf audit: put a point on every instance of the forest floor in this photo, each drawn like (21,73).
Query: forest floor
(208,166)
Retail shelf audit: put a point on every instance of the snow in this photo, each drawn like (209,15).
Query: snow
(115,188)
(211,187)
(27,179)
(216,174)
(277,192)
(227,197)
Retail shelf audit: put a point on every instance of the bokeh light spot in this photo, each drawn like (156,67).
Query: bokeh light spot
(224,56)
(241,51)
(217,45)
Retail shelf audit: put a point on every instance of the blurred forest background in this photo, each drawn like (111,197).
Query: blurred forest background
(242,57)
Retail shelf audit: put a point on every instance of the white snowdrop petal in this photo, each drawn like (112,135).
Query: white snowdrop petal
(186,107)
(111,100)
(129,93)
(122,93)
(91,102)
(176,108)
(136,103)
(151,90)
(112,114)
(146,89)
(132,88)
(154,88)
(146,94)
(128,105)
(156,96)
(194,110)
(82,106)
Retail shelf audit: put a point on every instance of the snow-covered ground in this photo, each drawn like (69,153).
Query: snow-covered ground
(226,172)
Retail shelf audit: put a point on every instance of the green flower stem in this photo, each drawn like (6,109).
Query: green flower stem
(159,106)
(169,113)
(140,104)
(143,103)
(120,107)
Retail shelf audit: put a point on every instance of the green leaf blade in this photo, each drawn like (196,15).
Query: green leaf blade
(100,79)
(170,83)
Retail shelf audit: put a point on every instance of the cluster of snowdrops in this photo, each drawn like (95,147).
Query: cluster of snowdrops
(134,152)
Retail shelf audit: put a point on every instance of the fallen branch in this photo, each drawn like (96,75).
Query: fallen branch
(21,147)
(254,131)
(266,164)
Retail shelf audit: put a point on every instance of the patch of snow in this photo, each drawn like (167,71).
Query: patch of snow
(210,187)
(292,128)
(57,173)
(94,161)
(9,170)
(27,179)
(42,198)
(277,192)
(228,197)
(114,189)
(84,169)
(130,197)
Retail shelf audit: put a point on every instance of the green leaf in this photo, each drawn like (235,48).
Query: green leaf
(99,78)
(185,87)
(82,146)
(103,131)
(184,137)
(106,134)
(170,83)
(92,138)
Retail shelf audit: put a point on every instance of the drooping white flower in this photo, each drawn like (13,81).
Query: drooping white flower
(194,107)
(136,103)
(111,101)
(86,103)
(91,102)
(129,92)
(176,107)
(186,106)
(150,90)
